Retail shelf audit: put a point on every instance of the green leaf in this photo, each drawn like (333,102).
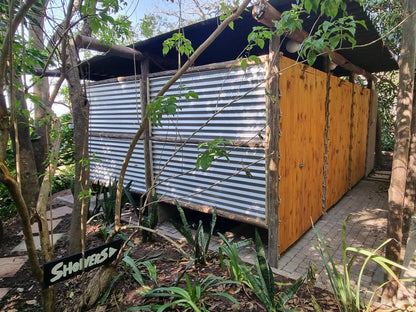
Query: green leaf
(334,42)
(244,64)
(165,50)
(311,57)
(308,5)
(254,58)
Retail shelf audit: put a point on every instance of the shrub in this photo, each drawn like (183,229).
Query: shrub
(63,179)
(199,243)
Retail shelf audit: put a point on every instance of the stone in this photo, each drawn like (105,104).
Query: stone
(22,246)
(3,292)
(35,227)
(10,265)
(60,212)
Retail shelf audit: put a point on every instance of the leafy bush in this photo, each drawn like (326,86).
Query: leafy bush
(190,298)
(232,261)
(7,207)
(386,109)
(263,285)
(63,179)
(66,152)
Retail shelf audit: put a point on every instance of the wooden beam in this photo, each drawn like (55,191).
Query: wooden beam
(266,14)
(48,73)
(117,50)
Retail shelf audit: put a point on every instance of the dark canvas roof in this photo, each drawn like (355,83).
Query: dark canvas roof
(373,58)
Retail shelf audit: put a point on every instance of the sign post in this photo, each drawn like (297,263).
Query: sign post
(64,268)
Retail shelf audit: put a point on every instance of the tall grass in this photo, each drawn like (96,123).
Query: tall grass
(348,296)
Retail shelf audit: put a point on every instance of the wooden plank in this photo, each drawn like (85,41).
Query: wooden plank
(302,149)
(339,140)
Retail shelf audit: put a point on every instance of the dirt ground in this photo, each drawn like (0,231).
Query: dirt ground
(170,264)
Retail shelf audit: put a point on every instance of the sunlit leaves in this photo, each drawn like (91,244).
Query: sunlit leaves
(180,43)
(332,34)
(246,60)
(104,21)
(212,150)
(258,37)
(166,105)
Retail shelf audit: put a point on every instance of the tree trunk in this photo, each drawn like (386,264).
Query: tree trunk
(28,171)
(80,117)
(80,111)
(402,143)
(41,90)
(96,287)
(410,195)
(4,128)
(409,220)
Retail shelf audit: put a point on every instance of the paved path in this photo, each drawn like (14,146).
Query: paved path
(366,229)
(10,265)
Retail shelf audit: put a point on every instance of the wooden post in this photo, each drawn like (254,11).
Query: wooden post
(372,128)
(272,150)
(352,78)
(326,138)
(144,99)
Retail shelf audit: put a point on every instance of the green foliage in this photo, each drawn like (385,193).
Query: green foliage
(150,221)
(190,298)
(263,284)
(227,9)
(111,30)
(66,152)
(166,105)
(199,243)
(180,43)
(63,179)
(346,294)
(233,261)
(336,31)
(213,150)
(7,206)
(290,20)
(386,15)
(258,37)
(387,89)
(141,268)
(108,201)
(150,25)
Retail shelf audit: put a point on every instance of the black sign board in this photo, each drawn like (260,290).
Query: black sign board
(64,268)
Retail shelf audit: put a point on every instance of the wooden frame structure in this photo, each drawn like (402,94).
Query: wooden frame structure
(317,137)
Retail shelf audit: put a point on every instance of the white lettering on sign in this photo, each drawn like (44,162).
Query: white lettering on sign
(61,270)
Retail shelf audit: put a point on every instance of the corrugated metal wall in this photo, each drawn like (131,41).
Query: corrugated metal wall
(115,115)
